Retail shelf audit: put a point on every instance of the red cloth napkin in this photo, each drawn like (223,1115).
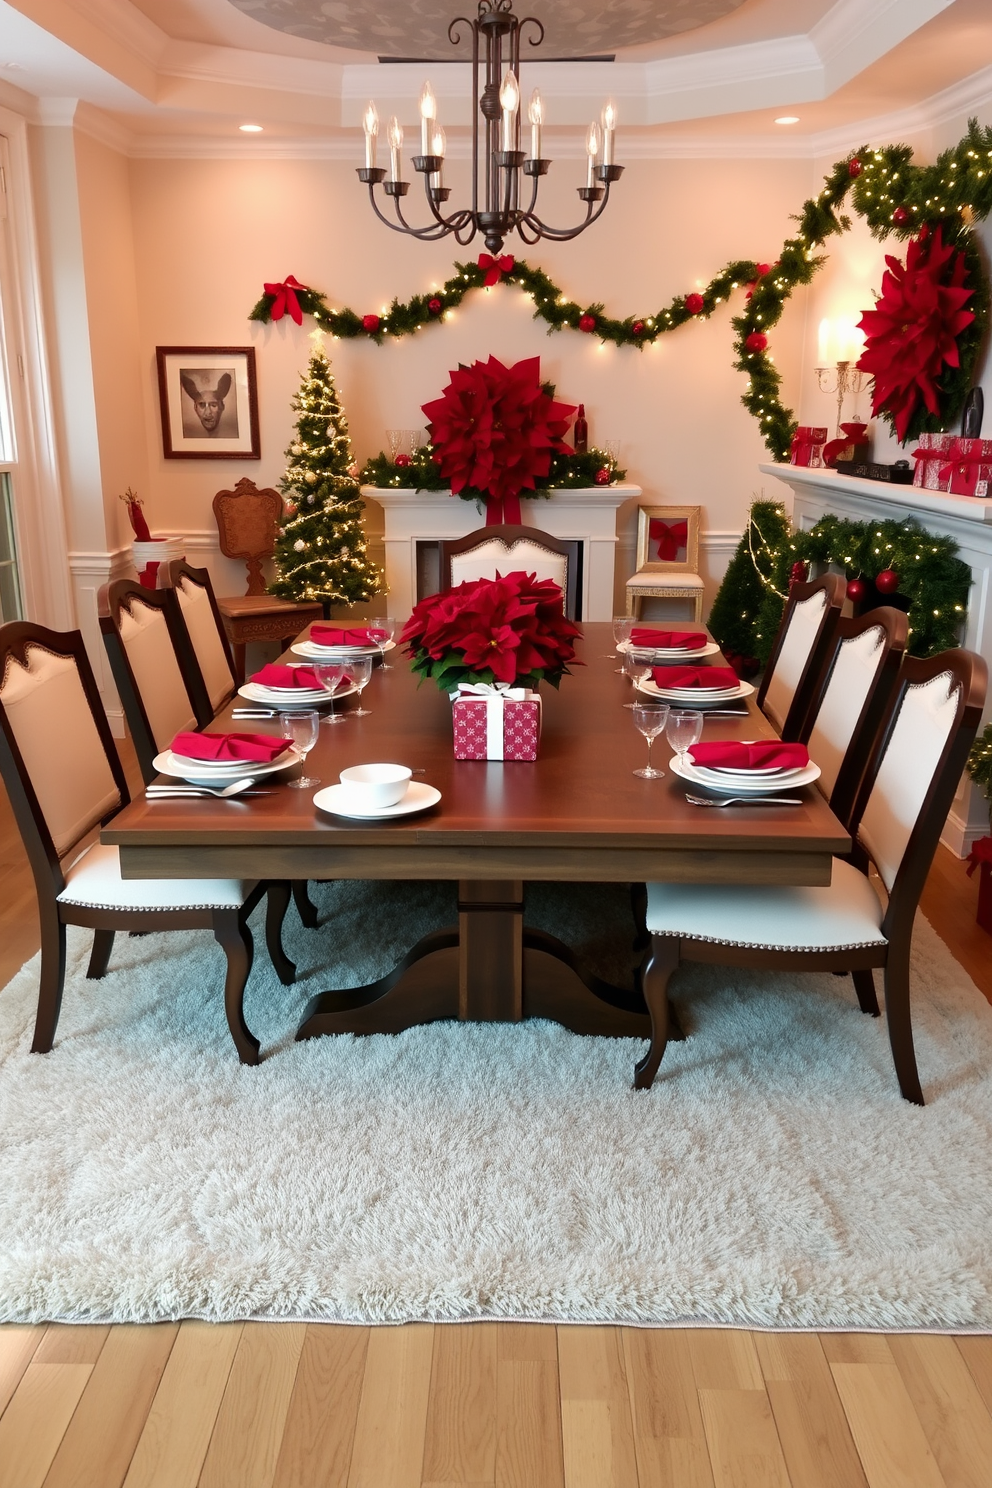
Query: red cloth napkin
(695,676)
(346,635)
(261,748)
(278,676)
(731,755)
(682,640)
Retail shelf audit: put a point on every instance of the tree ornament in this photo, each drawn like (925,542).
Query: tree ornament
(856,590)
(370,323)
(290,508)
(354,469)
(299,546)
(602,476)
(900,216)
(887,582)
(762,269)
(637,329)
(587,323)
(296,449)
(435,306)
(402,460)
(854,168)
(757,341)
(798,573)
(694,303)
(310,476)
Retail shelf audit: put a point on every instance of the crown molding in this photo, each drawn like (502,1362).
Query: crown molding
(971,95)
(57,112)
(855,33)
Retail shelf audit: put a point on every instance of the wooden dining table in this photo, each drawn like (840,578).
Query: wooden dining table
(578,813)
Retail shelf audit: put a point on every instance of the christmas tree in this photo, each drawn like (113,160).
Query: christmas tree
(746,588)
(321,551)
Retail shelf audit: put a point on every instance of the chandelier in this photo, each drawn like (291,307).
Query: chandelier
(498,192)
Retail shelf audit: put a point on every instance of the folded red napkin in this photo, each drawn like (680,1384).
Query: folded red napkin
(261,748)
(764,755)
(695,676)
(346,635)
(671,640)
(278,676)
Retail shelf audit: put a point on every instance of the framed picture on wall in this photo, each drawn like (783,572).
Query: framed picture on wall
(209,400)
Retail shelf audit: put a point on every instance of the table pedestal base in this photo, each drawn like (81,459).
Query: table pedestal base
(489,969)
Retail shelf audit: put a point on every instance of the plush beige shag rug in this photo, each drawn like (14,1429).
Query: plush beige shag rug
(773,1177)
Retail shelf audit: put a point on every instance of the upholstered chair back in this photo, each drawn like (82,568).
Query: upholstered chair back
(152,659)
(205,633)
(493,557)
(807,629)
(49,719)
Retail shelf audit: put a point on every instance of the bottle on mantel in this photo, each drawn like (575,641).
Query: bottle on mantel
(580,432)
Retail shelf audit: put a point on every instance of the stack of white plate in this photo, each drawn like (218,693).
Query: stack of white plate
(220,772)
(313,652)
(291,699)
(695,697)
(669,653)
(736,782)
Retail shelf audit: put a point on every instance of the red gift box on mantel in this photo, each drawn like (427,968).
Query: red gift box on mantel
(931,454)
(968,467)
(493,722)
(851,444)
(807,446)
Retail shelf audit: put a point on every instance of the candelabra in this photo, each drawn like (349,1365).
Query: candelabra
(849,379)
(497,158)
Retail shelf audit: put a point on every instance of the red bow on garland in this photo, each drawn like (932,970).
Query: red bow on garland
(495,267)
(284,298)
(670,536)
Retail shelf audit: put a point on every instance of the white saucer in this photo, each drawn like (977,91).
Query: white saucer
(338,799)
(666,653)
(695,775)
(315,652)
(214,772)
(695,700)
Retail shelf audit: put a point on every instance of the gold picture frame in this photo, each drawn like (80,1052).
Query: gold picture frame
(651,544)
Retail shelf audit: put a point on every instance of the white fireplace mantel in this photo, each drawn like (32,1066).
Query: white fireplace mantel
(966,519)
(587,514)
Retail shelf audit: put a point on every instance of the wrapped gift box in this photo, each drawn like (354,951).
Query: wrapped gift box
(807,445)
(496,723)
(969,466)
(931,455)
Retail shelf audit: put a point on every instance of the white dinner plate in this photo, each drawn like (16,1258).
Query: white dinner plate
(213,772)
(667,653)
(731,777)
(292,699)
(339,800)
(787,781)
(694,698)
(313,652)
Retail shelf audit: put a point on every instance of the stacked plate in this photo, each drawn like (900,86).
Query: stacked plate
(292,699)
(662,654)
(313,652)
(220,772)
(736,782)
(695,697)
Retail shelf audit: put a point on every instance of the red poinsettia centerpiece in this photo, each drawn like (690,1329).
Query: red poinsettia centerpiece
(494,429)
(510,629)
(912,333)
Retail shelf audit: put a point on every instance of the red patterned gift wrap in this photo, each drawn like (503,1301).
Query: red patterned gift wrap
(807,445)
(497,724)
(968,467)
(931,455)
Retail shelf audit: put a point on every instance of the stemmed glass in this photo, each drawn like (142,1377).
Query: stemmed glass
(302,729)
(359,670)
(649,719)
(622,626)
(382,629)
(636,666)
(329,674)
(685,728)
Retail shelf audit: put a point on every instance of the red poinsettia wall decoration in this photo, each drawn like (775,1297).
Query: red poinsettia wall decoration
(911,335)
(510,629)
(494,429)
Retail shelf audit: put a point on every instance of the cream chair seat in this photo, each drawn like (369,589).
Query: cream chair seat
(654,585)
(94,881)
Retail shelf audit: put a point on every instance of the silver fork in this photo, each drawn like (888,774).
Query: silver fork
(744,801)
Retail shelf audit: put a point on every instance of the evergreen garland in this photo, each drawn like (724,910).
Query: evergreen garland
(422,473)
(321,550)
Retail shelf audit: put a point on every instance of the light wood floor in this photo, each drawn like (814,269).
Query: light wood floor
(194,1405)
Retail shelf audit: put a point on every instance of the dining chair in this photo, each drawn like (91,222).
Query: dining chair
(506,547)
(212,682)
(667,559)
(850,700)
(902,805)
(64,778)
(800,650)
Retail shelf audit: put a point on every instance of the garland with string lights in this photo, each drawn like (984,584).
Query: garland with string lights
(894,196)
(880,559)
(421,472)
(980,763)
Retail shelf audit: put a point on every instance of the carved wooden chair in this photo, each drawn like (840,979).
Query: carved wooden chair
(897,820)
(801,647)
(64,778)
(247,523)
(506,547)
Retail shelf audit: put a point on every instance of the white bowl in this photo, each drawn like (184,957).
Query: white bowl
(375,786)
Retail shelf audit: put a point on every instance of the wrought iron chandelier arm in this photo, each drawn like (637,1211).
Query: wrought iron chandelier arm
(594,210)
(429,234)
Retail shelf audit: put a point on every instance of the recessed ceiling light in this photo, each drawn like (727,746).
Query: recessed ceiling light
(250,128)
(788,119)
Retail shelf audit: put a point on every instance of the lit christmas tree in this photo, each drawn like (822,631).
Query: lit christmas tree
(321,551)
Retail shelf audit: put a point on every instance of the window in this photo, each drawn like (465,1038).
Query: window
(11,607)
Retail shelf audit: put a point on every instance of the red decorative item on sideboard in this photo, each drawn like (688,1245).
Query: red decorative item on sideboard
(980,857)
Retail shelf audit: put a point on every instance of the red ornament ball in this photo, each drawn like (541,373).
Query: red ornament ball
(370,323)
(762,269)
(435,306)
(402,460)
(757,341)
(798,574)
(887,581)
(290,508)
(637,329)
(854,167)
(587,323)
(899,216)
(602,477)
(856,590)
(694,303)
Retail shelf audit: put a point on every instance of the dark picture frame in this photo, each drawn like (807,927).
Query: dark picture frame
(209,402)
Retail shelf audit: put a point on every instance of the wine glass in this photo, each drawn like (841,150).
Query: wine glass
(382,630)
(622,626)
(649,719)
(329,674)
(394,438)
(302,729)
(684,728)
(636,666)
(359,670)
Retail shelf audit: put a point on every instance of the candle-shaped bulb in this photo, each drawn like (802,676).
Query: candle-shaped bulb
(609,125)
(370,123)
(509,98)
(592,149)
(428,113)
(438,141)
(535,112)
(395,132)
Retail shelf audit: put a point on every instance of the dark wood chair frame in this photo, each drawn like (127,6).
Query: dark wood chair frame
(230,926)
(203,709)
(667,952)
(509,533)
(835,587)
(851,773)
